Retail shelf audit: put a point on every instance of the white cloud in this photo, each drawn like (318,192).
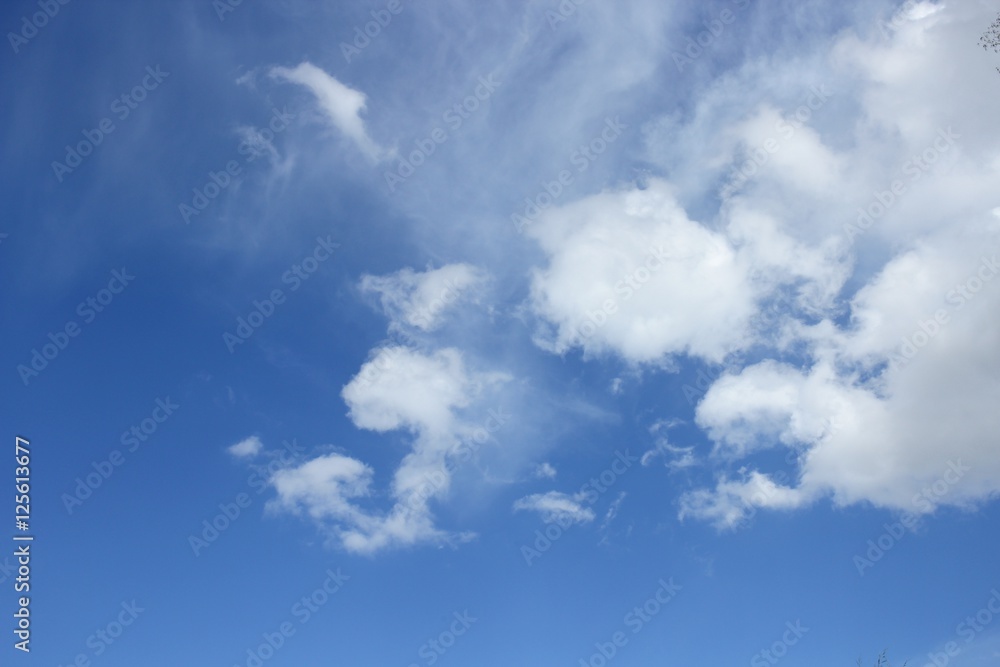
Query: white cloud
(857,426)
(687,274)
(613,509)
(545,471)
(556,507)
(341,105)
(247,448)
(420,299)
(323,487)
(678,458)
(769,271)
(628,273)
(400,389)
(610,516)
(328,488)
(733,502)
(801,159)
(415,391)
(891,404)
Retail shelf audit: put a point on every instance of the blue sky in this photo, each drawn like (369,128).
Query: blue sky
(526,333)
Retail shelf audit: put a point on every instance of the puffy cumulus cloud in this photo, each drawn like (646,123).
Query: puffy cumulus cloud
(423,393)
(247,448)
(804,279)
(733,502)
(891,399)
(556,507)
(751,410)
(811,138)
(630,274)
(910,61)
(414,391)
(948,271)
(781,146)
(901,401)
(323,487)
(419,299)
(341,105)
(328,488)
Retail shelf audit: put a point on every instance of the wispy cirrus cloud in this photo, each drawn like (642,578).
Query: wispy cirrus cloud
(556,507)
(341,105)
